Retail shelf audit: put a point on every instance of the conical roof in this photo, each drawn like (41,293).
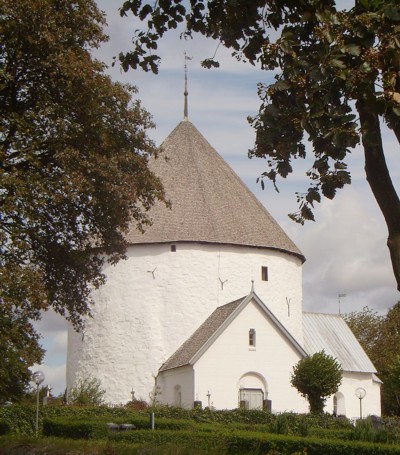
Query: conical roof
(209,201)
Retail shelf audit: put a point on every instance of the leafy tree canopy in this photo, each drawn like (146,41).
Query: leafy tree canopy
(74,171)
(74,157)
(367,326)
(19,349)
(317,377)
(380,337)
(336,81)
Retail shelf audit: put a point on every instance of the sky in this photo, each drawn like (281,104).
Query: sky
(345,248)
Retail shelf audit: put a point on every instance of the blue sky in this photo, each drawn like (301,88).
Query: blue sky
(345,248)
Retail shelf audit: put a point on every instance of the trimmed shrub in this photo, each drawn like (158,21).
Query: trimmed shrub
(96,428)
(20,419)
(74,429)
(244,442)
(324,433)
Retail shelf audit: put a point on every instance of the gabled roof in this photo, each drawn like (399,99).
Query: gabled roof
(329,332)
(209,201)
(192,349)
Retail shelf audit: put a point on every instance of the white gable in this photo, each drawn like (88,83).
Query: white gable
(226,363)
(242,353)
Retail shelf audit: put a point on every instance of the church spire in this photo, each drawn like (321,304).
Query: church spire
(185,109)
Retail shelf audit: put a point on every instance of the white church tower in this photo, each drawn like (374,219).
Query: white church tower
(202,253)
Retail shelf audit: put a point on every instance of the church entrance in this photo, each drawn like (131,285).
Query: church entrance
(251,398)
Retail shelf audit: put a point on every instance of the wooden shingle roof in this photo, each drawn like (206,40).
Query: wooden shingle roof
(209,201)
(200,337)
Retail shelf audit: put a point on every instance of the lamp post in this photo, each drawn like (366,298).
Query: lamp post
(360,394)
(38,378)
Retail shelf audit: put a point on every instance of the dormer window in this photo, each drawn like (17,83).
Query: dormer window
(252,338)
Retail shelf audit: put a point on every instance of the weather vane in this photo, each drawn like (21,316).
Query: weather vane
(185,110)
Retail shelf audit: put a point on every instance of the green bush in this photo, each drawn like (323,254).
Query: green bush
(325,433)
(96,428)
(280,425)
(4,427)
(244,442)
(20,419)
(87,392)
(74,428)
(384,431)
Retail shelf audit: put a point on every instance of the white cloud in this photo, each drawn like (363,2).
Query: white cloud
(346,253)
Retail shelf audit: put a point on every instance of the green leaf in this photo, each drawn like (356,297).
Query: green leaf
(145,11)
(209,63)
(279,85)
(392,13)
(337,63)
(352,49)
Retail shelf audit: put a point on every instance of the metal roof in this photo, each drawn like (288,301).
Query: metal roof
(329,332)
(209,201)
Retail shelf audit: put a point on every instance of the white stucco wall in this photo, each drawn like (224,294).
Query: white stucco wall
(141,318)
(229,364)
(350,405)
(176,387)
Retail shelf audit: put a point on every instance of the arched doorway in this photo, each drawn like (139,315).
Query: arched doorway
(339,407)
(252,391)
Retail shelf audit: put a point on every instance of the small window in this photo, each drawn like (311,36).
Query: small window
(252,338)
(173,248)
(264,273)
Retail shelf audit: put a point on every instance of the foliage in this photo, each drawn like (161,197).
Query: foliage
(317,377)
(73,166)
(30,395)
(21,418)
(375,431)
(239,444)
(391,388)
(19,349)
(86,392)
(184,436)
(336,80)
(280,424)
(252,442)
(57,446)
(380,337)
(4,427)
(367,326)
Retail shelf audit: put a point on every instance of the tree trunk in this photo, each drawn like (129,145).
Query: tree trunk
(379,180)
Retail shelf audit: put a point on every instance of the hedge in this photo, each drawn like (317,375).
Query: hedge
(67,427)
(239,443)
(74,429)
(22,419)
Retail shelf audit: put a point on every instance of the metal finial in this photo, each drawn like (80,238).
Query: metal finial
(185,109)
(252,285)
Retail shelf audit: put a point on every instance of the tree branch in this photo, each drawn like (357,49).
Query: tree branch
(379,180)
